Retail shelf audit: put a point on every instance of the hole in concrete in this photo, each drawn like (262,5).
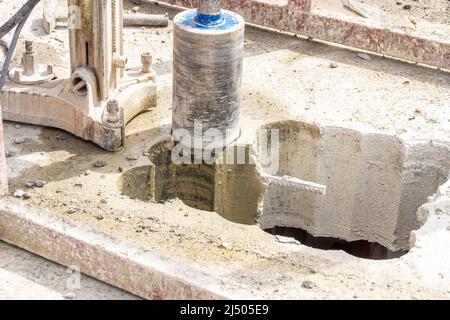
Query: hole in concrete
(375,183)
(191,183)
(360,248)
(231,190)
(375,186)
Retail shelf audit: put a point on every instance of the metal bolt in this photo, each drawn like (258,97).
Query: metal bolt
(146,59)
(120,62)
(30,64)
(113,114)
(112,107)
(29,47)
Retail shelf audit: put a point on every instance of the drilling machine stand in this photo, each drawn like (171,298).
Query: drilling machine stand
(100,97)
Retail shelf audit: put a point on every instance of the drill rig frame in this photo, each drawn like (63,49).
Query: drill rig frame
(101,95)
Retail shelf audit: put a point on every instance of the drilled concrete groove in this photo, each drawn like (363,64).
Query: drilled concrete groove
(375,184)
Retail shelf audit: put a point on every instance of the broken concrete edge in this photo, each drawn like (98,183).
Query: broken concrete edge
(419,46)
(387,179)
(101,256)
(396,180)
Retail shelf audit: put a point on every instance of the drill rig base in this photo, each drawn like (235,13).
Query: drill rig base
(66,105)
(76,101)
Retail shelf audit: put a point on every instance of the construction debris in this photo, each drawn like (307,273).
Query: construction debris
(357,7)
(148,20)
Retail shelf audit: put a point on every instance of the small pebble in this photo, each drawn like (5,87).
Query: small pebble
(133,157)
(30,184)
(40,183)
(226,245)
(333,65)
(61,137)
(407,7)
(19,193)
(100,164)
(9,154)
(19,140)
(72,210)
(307,284)
(70,296)
(364,56)
(100,217)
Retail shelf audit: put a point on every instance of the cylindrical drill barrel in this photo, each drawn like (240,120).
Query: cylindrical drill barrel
(208,62)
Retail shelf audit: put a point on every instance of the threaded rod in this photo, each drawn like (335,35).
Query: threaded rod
(209,12)
(209,6)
